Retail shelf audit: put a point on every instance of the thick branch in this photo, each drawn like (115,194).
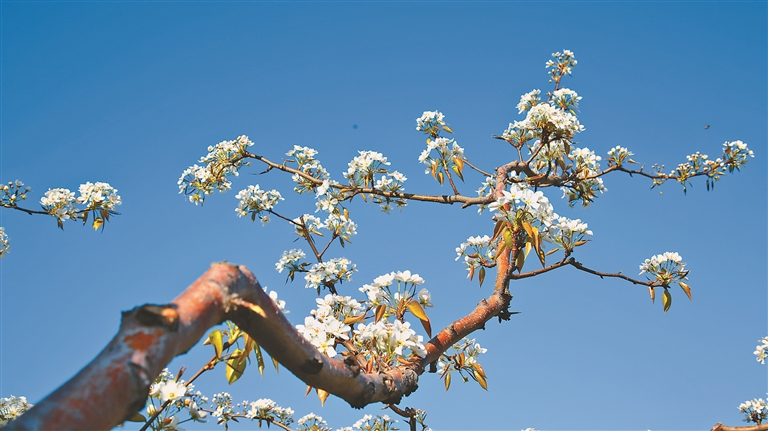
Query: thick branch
(721,427)
(151,335)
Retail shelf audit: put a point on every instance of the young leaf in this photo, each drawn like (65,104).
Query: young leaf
(380,312)
(427,327)
(481,276)
(686,289)
(277,365)
(259,358)
(472,273)
(235,366)
(440,177)
(323,395)
(97,223)
(520,261)
(667,299)
(528,229)
(215,339)
(458,172)
(479,369)
(652,292)
(481,380)
(447,129)
(508,240)
(447,381)
(415,308)
(351,320)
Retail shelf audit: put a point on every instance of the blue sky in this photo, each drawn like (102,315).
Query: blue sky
(132,93)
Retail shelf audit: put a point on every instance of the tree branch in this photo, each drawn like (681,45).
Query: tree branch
(720,427)
(151,335)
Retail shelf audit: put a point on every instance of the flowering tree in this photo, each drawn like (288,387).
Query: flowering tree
(372,348)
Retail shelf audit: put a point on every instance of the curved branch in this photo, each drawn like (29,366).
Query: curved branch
(151,335)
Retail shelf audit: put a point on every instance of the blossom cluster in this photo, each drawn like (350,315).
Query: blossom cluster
(364,167)
(463,360)
(312,422)
(223,160)
(564,64)
(391,182)
(584,189)
(180,397)
(521,204)
(308,165)
(448,154)
(476,251)
(254,201)
(430,122)
(755,411)
(101,198)
(618,155)
(325,324)
(761,350)
(385,341)
(290,260)
(378,423)
(11,408)
(528,101)
(59,203)
(486,189)
(265,409)
(98,196)
(666,268)
(338,269)
(466,347)
(13,192)
(5,243)
(380,292)
(568,233)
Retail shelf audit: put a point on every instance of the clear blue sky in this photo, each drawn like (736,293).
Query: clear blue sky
(132,93)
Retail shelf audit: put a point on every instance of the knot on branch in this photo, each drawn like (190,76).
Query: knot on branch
(150,315)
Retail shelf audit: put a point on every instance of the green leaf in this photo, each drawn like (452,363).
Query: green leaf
(481,276)
(216,342)
(458,172)
(259,358)
(508,240)
(235,366)
(667,299)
